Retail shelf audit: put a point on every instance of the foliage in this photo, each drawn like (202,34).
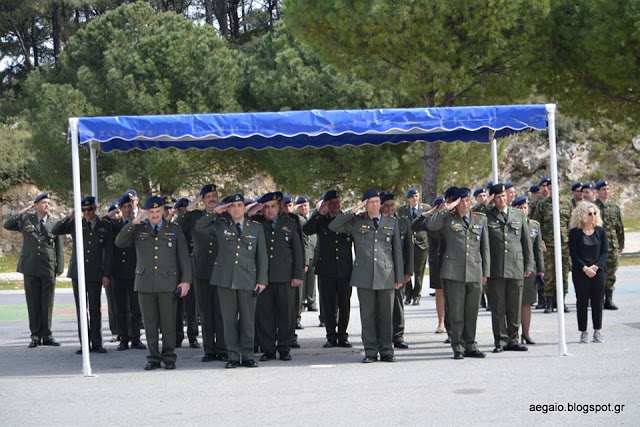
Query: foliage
(14,168)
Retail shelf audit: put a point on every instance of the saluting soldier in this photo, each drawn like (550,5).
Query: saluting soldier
(388,208)
(377,271)
(465,266)
(411,211)
(98,248)
(483,202)
(437,247)
(511,252)
(576,193)
(41,261)
(612,223)
(333,267)
(163,274)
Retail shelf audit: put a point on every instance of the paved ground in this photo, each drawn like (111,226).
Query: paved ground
(331,387)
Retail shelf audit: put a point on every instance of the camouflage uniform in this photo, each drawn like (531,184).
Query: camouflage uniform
(612,223)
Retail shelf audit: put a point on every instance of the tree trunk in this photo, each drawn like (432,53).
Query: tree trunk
(208,12)
(220,12)
(34,43)
(431,159)
(55,24)
(234,19)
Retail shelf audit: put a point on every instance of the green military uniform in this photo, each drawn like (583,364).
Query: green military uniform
(377,268)
(408,267)
(533,205)
(420,251)
(529,290)
(162,263)
(98,248)
(465,262)
(544,216)
(41,260)
(612,223)
(241,264)
(511,252)
(308,291)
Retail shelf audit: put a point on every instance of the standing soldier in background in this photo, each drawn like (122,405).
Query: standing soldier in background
(411,211)
(112,302)
(308,292)
(536,196)
(589,192)
(96,235)
(510,191)
(437,247)
(576,193)
(41,261)
(612,223)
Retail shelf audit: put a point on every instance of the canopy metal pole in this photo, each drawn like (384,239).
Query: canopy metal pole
(494,158)
(77,192)
(557,241)
(94,172)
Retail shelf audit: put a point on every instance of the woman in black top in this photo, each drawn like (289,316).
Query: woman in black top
(588,249)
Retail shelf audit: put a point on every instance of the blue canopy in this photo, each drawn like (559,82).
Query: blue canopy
(312,128)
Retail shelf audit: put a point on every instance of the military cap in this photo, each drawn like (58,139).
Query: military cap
(496,189)
(534,188)
(438,201)
(88,201)
(235,198)
(519,201)
(248,201)
(330,195)
(269,197)
(124,199)
(181,203)
(508,185)
(287,198)
(543,180)
(225,201)
(370,193)
(132,193)
(154,202)
(412,191)
(478,191)
(601,183)
(450,192)
(41,197)
(577,186)
(302,199)
(209,188)
(169,201)
(461,193)
(588,185)
(113,206)
(489,184)
(386,196)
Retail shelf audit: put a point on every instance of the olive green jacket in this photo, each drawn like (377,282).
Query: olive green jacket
(536,237)
(284,248)
(510,244)
(419,237)
(205,245)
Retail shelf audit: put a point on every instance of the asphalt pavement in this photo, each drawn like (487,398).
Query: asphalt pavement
(596,384)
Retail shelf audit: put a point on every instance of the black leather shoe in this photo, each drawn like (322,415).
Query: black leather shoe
(222,356)
(178,343)
(123,346)
(330,343)
(114,339)
(388,358)
(369,359)
(416,301)
(285,355)
(295,344)
(99,349)
(232,364)
(516,347)
(150,366)
(33,343)
(401,344)
(51,342)
(498,350)
(407,301)
(250,363)
(194,343)
(448,340)
(566,309)
(138,345)
(79,351)
(299,325)
(208,357)
(344,343)
(458,356)
(169,365)
(312,308)
(321,325)
(267,356)
(475,353)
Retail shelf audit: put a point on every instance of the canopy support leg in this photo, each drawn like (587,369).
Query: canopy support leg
(94,172)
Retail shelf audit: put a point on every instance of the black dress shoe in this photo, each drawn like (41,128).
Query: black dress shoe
(169,365)
(178,343)
(295,344)
(138,345)
(285,355)
(344,343)
(330,343)
(416,301)
(79,351)
(458,355)
(498,349)
(388,358)
(299,325)
(232,364)
(150,366)
(566,309)
(401,344)
(51,342)
(516,347)
(208,357)
(370,359)
(321,325)
(267,356)
(312,308)
(250,363)
(194,343)
(123,346)
(222,356)
(526,340)
(99,349)
(475,353)
(33,343)
(448,340)
(407,301)
(114,339)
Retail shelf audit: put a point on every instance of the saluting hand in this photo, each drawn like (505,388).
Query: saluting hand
(28,208)
(359,207)
(253,208)
(194,204)
(322,207)
(138,219)
(71,213)
(222,208)
(452,205)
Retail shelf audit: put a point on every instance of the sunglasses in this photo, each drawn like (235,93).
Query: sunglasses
(592,214)
(89,209)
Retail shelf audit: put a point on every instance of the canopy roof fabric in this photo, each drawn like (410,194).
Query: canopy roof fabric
(312,128)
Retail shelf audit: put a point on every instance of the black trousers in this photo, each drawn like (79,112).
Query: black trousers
(275,317)
(128,314)
(589,289)
(335,298)
(93,294)
(112,309)
(39,293)
(210,317)
(187,305)
(398,315)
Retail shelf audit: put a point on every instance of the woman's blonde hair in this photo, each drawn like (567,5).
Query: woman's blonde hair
(581,212)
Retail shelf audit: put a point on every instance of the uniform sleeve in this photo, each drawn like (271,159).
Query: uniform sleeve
(407,251)
(539,255)
(484,249)
(343,223)
(59,242)
(184,221)
(619,230)
(108,248)
(205,224)
(125,237)
(64,226)
(436,221)
(13,222)
(184,260)
(262,261)
(298,255)
(398,265)
(311,226)
(527,246)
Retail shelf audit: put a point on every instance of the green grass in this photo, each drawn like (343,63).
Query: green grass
(13,285)
(628,261)
(9,263)
(631,224)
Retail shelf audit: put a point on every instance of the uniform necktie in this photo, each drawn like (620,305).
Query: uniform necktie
(504,215)
(466,221)
(155,230)
(413,213)
(239,228)
(90,227)
(42,225)
(272,224)
(375,222)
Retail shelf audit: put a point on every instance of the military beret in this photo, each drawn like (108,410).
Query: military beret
(132,193)
(508,185)
(225,201)
(601,183)
(124,199)
(330,195)
(489,184)
(450,192)
(496,189)
(438,201)
(154,202)
(462,192)
(269,197)
(543,180)
(577,186)
(519,201)
(370,193)
(209,188)
(236,198)
(588,185)
(181,203)
(302,199)
(169,201)
(113,206)
(412,191)
(534,188)
(386,196)
(287,198)
(248,201)
(279,195)
(88,201)
(41,197)
(478,191)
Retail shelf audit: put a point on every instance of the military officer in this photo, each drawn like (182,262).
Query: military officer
(464,268)
(484,203)
(511,252)
(480,195)
(98,247)
(123,274)
(333,267)
(576,193)
(308,294)
(112,212)
(612,223)
(388,208)
(420,250)
(510,191)
(41,261)
(536,196)
(163,274)
(133,195)
(589,192)
(240,272)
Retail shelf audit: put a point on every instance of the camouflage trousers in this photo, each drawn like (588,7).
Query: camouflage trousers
(612,267)
(550,268)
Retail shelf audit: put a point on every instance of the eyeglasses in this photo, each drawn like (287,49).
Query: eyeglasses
(592,214)
(89,209)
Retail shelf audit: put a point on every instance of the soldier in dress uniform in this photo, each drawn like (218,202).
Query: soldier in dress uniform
(41,261)
(163,274)
(576,193)
(308,292)
(240,273)
(333,267)
(112,304)
(377,271)
(510,191)
(480,195)
(612,223)
(436,252)
(589,192)
(98,248)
